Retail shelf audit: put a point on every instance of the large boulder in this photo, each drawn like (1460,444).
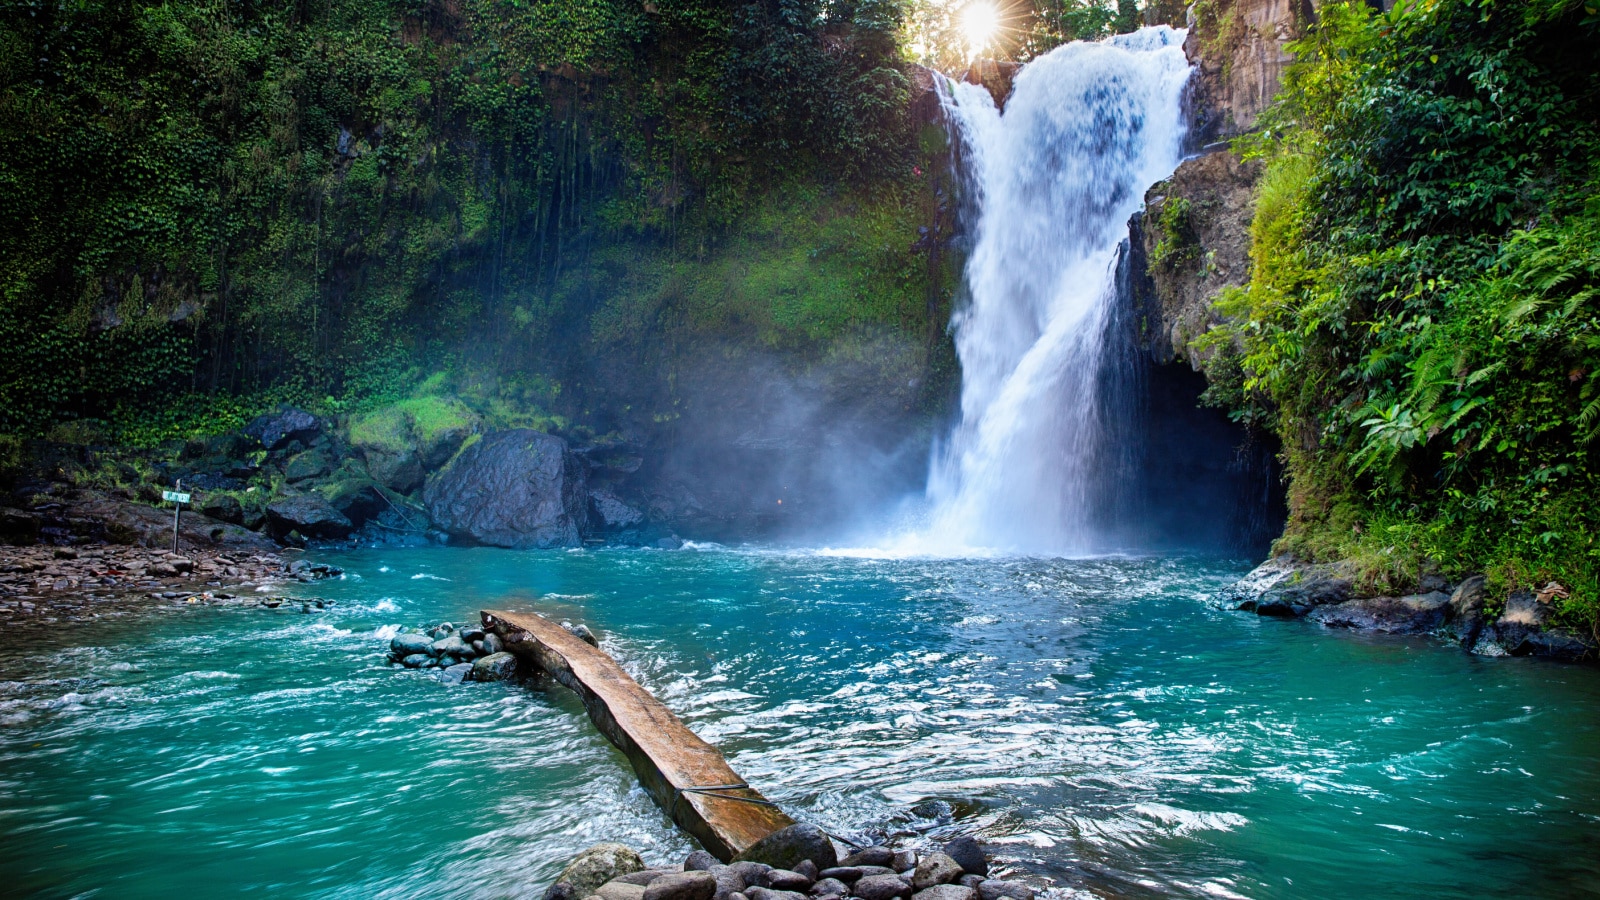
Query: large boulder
(404,441)
(1465,621)
(1414,614)
(313,463)
(870,856)
(516,488)
(310,515)
(1287,587)
(612,513)
(277,428)
(787,847)
(969,853)
(598,865)
(404,645)
(1528,628)
(935,868)
(222,507)
(500,666)
(882,887)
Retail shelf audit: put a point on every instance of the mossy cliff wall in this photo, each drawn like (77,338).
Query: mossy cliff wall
(1416,210)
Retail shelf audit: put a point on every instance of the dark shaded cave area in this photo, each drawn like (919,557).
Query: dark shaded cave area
(1204,482)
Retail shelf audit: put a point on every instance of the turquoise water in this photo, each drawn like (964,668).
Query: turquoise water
(1098,721)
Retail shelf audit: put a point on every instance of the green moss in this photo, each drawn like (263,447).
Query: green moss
(387,429)
(10,454)
(1177,242)
(410,423)
(804,267)
(431,417)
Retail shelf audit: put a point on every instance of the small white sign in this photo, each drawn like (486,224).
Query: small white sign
(174,497)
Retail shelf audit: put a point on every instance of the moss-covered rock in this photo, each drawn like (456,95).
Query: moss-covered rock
(312,463)
(401,442)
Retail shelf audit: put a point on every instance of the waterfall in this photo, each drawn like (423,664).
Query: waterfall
(1051,184)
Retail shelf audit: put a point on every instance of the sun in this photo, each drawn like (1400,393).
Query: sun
(980,22)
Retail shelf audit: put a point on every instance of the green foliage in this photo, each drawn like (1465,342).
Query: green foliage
(1423,319)
(191,415)
(226,199)
(1178,242)
(10,454)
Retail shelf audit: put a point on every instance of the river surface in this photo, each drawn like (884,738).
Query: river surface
(1098,721)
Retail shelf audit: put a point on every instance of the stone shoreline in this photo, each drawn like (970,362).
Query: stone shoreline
(1524,625)
(50,585)
(796,863)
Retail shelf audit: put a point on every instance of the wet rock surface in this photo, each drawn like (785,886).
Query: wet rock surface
(596,866)
(1287,588)
(457,654)
(515,488)
(1527,628)
(788,847)
(276,429)
(934,869)
(1414,614)
(936,874)
(1323,593)
(682,886)
(967,854)
(50,585)
(310,515)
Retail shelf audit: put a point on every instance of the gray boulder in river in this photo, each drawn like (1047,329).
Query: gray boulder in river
(494,667)
(966,851)
(596,866)
(516,488)
(935,868)
(406,644)
(882,887)
(682,886)
(310,515)
(787,847)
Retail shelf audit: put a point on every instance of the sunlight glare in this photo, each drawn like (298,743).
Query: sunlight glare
(980,22)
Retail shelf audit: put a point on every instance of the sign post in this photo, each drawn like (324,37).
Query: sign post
(179,498)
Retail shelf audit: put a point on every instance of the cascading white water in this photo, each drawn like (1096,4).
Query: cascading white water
(1088,128)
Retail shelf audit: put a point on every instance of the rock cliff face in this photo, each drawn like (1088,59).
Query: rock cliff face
(1194,235)
(1238,46)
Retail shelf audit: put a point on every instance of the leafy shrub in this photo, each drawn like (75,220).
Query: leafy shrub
(1423,318)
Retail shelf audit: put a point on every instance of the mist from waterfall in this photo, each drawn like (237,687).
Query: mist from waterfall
(1051,183)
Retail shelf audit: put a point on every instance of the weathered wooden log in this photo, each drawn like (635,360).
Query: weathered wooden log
(675,766)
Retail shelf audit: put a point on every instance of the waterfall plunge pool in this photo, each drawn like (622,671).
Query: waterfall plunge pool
(1098,721)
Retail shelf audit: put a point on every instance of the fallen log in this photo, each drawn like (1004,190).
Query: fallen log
(686,777)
